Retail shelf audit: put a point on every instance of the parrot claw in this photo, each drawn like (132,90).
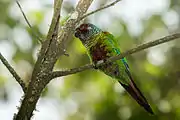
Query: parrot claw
(95,65)
(107,64)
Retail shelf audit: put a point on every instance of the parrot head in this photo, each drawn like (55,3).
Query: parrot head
(86,31)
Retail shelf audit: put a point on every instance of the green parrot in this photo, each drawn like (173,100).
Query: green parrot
(102,45)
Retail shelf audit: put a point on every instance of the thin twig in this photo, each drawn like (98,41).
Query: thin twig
(13,72)
(27,21)
(120,56)
(71,71)
(99,9)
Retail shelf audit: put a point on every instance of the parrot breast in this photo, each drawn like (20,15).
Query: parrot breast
(98,52)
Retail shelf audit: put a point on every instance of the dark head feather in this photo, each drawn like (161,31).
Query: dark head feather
(85,31)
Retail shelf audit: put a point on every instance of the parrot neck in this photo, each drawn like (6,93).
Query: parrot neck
(91,41)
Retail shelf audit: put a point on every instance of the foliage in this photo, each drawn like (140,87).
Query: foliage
(96,95)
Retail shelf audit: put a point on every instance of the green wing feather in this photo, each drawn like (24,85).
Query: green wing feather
(118,68)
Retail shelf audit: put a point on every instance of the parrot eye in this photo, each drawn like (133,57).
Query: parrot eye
(89,28)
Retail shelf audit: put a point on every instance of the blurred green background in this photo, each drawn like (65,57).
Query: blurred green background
(91,95)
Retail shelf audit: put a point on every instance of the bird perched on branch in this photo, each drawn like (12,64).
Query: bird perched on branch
(100,46)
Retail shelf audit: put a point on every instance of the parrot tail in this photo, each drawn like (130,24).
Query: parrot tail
(134,91)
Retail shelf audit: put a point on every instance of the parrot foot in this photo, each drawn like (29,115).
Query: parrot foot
(96,64)
(107,64)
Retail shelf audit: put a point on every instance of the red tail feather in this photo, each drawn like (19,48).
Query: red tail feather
(133,90)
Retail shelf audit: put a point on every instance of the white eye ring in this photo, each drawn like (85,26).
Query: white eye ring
(89,28)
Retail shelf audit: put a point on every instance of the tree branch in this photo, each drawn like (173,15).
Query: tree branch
(68,29)
(13,72)
(52,48)
(114,58)
(44,64)
(27,21)
(99,9)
